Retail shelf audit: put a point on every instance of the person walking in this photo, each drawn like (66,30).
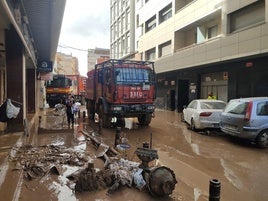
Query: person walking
(69,111)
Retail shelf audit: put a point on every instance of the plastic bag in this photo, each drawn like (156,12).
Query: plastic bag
(138,179)
(12,111)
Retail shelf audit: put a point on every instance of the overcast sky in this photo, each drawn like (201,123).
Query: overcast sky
(85,26)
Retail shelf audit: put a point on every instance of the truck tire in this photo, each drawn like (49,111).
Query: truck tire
(145,119)
(106,121)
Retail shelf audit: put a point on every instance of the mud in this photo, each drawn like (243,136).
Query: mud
(194,157)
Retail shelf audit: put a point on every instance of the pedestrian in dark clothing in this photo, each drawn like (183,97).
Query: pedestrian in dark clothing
(69,111)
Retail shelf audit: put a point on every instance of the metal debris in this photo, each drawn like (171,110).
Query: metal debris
(38,161)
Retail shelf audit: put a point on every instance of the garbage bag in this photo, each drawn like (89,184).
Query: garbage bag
(12,111)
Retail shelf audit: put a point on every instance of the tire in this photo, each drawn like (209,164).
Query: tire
(262,139)
(182,117)
(90,105)
(106,121)
(145,119)
(192,125)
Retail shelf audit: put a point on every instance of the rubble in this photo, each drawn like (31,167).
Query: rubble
(37,161)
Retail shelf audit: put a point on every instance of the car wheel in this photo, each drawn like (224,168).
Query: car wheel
(192,126)
(262,139)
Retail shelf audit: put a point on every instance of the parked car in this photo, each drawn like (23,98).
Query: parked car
(247,118)
(203,113)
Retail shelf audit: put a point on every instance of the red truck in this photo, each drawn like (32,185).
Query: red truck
(121,89)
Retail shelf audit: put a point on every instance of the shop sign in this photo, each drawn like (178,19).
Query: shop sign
(45,66)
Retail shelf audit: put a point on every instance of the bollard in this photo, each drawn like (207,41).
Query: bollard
(214,190)
(117,136)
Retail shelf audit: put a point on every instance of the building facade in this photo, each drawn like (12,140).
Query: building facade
(122,29)
(95,56)
(202,46)
(66,64)
(29,34)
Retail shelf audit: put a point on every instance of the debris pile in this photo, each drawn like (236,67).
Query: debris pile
(159,181)
(38,161)
(119,172)
(89,179)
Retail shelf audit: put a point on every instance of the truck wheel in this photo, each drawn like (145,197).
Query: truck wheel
(106,122)
(91,109)
(145,119)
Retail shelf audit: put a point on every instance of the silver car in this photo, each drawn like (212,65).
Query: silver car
(247,118)
(203,113)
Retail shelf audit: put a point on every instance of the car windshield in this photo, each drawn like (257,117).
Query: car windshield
(236,107)
(212,105)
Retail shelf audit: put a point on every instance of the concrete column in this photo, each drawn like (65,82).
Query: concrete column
(31,90)
(15,65)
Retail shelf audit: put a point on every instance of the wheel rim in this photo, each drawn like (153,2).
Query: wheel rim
(264,138)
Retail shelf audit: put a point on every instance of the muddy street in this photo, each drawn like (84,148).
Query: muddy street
(194,157)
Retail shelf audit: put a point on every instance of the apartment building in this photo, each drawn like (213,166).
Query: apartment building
(66,64)
(96,55)
(202,46)
(122,29)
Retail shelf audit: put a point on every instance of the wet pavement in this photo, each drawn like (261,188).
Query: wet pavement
(194,157)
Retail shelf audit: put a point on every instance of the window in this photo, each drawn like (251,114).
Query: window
(150,54)
(164,49)
(150,24)
(212,31)
(205,32)
(165,14)
(128,19)
(137,21)
(236,107)
(192,105)
(212,105)
(247,16)
(262,109)
(123,44)
(123,23)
